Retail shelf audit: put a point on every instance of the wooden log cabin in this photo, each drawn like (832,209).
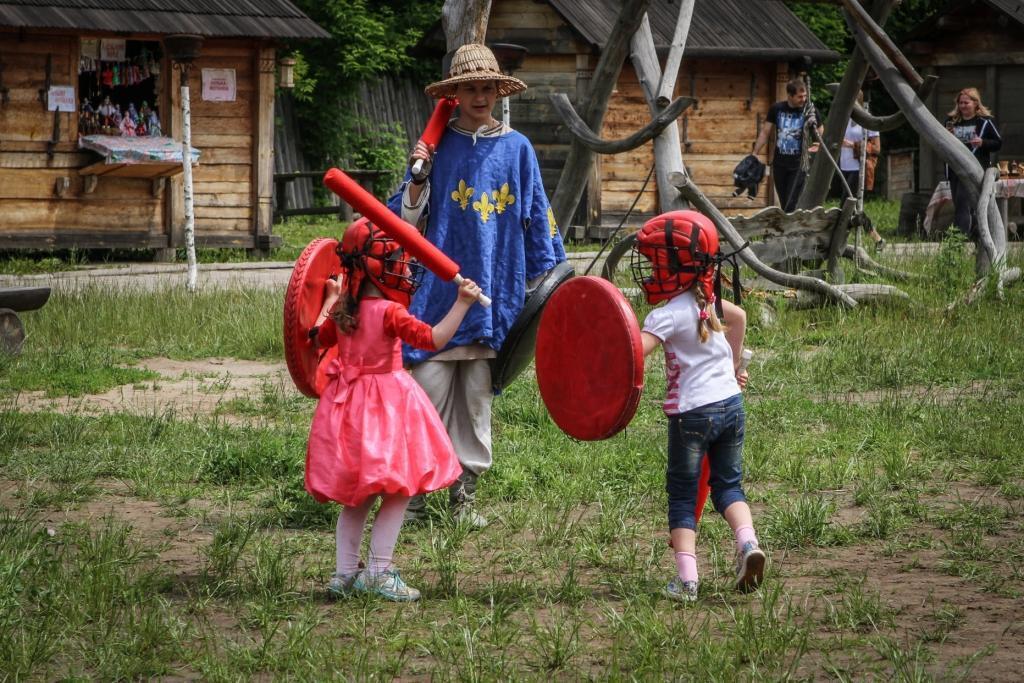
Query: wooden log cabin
(976,44)
(56,56)
(739,55)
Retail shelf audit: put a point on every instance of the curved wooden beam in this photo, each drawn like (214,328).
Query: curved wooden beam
(882,124)
(956,155)
(692,193)
(595,143)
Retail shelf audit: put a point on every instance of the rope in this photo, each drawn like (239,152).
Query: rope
(615,232)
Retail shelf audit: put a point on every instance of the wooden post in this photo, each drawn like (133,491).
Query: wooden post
(819,178)
(263,150)
(465,21)
(675,54)
(949,149)
(577,166)
(668,155)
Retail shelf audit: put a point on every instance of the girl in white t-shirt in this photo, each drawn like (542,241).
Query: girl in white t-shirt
(675,259)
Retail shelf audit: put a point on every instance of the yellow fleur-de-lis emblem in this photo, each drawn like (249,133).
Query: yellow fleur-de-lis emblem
(502,198)
(484,207)
(462,195)
(552,227)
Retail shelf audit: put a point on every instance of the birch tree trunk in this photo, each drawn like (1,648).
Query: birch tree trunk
(186,159)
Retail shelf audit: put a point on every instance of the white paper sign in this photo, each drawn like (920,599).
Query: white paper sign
(61,98)
(112,49)
(219,85)
(90,47)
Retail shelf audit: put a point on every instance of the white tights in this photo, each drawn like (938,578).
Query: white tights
(383,537)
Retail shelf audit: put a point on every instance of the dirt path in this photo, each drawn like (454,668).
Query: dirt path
(196,387)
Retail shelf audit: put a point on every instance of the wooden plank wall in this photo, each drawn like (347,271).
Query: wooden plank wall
(549,67)
(121,212)
(719,132)
(226,134)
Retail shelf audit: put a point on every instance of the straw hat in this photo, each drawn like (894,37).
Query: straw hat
(474,62)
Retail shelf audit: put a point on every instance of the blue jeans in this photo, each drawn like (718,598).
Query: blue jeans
(715,429)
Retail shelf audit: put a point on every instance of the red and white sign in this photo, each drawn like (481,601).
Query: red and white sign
(219,85)
(112,49)
(61,98)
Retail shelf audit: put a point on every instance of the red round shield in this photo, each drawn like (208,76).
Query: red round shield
(590,361)
(302,302)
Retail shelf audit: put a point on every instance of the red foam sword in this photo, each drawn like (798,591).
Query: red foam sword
(395,228)
(436,126)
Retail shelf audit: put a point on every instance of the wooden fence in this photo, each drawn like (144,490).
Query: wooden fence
(380,105)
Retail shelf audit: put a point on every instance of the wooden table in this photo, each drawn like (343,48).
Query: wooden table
(1006,189)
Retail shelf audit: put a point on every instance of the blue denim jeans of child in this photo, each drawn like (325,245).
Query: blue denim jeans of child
(715,429)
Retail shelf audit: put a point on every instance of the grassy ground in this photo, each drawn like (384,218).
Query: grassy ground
(883,465)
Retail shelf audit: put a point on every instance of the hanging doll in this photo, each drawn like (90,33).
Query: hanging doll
(86,118)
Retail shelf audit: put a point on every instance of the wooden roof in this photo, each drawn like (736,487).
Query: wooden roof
(750,29)
(212,18)
(1014,8)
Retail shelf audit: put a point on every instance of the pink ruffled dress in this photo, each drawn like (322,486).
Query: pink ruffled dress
(375,431)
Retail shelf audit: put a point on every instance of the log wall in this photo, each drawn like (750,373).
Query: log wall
(232,182)
(716,134)
(120,212)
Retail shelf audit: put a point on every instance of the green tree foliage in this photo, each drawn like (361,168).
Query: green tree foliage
(827,23)
(369,38)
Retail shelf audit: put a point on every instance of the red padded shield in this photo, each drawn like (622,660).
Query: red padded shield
(302,302)
(590,361)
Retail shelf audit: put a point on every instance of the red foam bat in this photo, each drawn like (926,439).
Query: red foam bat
(394,227)
(436,126)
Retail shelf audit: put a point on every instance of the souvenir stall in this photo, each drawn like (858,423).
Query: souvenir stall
(91,123)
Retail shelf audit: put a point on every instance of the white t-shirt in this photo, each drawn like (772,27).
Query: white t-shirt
(697,374)
(854,133)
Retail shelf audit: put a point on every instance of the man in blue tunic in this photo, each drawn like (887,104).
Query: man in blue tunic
(480,199)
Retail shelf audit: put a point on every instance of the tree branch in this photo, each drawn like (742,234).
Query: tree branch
(595,143)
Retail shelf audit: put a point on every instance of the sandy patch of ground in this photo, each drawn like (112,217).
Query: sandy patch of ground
(194,387)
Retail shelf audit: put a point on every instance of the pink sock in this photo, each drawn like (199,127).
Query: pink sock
(349,536)
(743,535)
(686,563)
(384,536)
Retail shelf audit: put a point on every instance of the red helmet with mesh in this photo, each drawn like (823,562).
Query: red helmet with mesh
(366,251)
(672,252)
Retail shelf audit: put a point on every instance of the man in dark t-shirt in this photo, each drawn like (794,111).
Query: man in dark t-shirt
(787,119)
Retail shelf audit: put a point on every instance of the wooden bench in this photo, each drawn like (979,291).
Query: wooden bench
(344,212)
(789,241)
(12,300)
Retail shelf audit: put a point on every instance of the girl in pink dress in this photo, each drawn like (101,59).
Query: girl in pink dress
(375,432)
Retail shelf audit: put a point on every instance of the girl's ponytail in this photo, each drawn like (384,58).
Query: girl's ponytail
(708,317)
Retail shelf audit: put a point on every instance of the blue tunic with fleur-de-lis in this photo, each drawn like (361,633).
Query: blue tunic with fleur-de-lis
(488,212)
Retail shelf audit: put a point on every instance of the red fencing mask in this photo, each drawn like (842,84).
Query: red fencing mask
(673,251)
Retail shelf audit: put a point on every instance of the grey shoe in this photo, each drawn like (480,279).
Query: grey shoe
(461,501)
(750,566)
(683,591)
(341,585)
(388,585)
